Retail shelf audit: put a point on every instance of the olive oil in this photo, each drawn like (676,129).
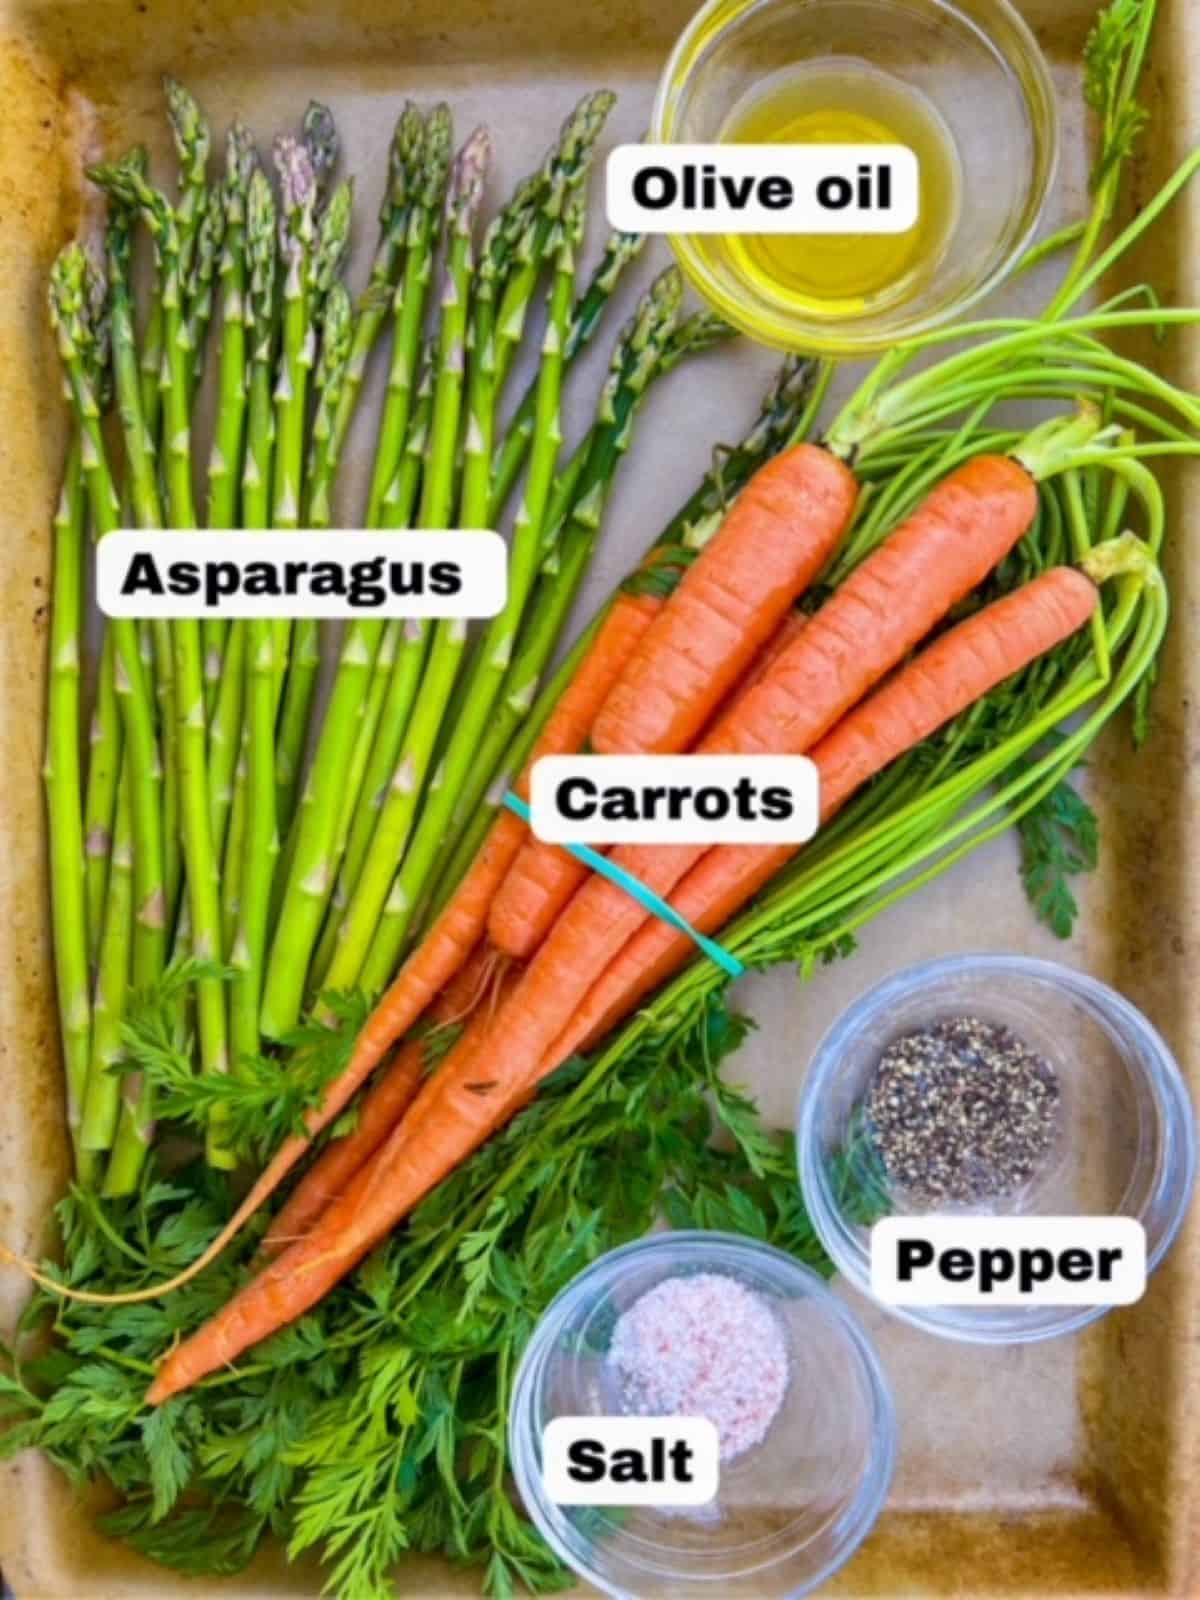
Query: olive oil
(846,101)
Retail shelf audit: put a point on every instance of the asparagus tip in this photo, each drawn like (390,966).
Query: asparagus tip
(241,154)
(319,134)
(470,168)
(297,179)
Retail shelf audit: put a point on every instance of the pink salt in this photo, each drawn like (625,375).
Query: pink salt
(703,1346)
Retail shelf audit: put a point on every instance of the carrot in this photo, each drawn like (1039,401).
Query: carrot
(569,724)
(963,528)
(543,877)
(885,607)
(414,1158)
(778,535)
(382,1107)
(946,678)
(789,629)
(721,623)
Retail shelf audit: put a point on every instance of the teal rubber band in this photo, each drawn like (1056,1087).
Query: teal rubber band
(634,886)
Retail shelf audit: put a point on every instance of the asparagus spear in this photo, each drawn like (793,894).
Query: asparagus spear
(259,842)
(191,135)
(330,244)
(296,357)
(308,868)
(105,730)
(64,791)
(298,352)
(619,252)
(143,504)
(405,158)
(193,143)
(329,382)
(224,648)
(332,239)
(565,169)
(200,859)
(102,1101)
(332,374)
(225,456)
(262,311)
(105,737)
(348,348)
(389,704)
(500,636)
(408,307)
(309,885)
(140,457)
(253,845)
(198,288)
(262,308)
(70,286)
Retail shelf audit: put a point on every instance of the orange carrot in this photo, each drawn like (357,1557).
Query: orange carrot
(946,678)
(789,629)
(717,625)
(543,877)
(885,607)
(410,1163)
(778,535)
(382,1107)
(569,724)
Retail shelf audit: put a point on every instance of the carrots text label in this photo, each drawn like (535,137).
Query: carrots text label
(684,799)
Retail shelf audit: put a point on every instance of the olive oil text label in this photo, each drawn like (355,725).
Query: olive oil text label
(763,188)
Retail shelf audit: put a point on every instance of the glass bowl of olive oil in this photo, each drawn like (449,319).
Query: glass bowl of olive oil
(963,86)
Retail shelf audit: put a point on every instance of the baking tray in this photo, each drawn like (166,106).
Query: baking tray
(1063,1469)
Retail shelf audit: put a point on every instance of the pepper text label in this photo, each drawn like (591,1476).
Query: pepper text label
(1008,1261)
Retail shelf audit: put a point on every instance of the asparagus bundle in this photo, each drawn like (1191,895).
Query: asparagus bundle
(197,855)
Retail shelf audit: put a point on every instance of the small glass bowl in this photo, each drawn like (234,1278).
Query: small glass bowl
(1126,1143)
(791,1509)
(979,69)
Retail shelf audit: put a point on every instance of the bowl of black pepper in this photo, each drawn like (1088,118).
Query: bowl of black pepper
(994,1086)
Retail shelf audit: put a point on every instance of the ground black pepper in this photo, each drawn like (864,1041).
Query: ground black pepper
(962,1111)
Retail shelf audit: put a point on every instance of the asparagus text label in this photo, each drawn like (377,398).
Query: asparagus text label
(314,574)
(763,188)
(687,799)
